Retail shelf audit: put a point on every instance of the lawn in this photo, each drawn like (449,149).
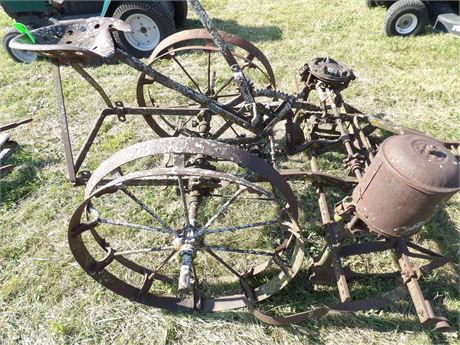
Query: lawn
(46,298)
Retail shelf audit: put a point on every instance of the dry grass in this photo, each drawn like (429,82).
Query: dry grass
(45,297)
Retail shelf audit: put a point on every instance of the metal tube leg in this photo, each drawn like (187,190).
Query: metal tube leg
(184,275)
(410,278)
(63,121)
(333,234)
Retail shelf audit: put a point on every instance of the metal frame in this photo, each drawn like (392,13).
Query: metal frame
(348,131)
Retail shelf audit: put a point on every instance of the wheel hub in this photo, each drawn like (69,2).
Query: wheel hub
(145,34)
(330,72)
(24,55)
(406,24)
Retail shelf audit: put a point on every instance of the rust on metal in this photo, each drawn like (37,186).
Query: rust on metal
(8,146)
(189,241)
(394,185)
(74,40)
(407,180)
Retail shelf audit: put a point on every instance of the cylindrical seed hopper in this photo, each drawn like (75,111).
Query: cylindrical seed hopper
(409,177)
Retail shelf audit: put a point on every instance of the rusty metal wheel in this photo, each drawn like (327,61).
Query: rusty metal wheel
(191,59)
(183,237)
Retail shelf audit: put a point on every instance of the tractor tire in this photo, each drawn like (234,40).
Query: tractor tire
(370,3)
(15,54)
(169,7)
(406,18)
(180,12)
(376,3)
(151,22)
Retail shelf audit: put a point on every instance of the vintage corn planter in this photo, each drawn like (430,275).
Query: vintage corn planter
(230,235)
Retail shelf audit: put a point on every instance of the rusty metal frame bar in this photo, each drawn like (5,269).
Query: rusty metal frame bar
(65,136)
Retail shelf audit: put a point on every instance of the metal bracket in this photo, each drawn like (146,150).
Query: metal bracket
(120,110)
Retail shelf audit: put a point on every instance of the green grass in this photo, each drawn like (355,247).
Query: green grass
(46,298)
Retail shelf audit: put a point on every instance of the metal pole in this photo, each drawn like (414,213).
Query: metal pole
(64,126)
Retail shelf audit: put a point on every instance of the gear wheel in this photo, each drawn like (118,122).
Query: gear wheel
(272,94)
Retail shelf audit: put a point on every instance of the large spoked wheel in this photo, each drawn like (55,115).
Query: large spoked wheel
(183,236)
(191,59)
(150,22)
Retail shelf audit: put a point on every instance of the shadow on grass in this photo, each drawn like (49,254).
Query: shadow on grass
(253,33)
(23,180)
(299,296)
(442,230)
(397,317)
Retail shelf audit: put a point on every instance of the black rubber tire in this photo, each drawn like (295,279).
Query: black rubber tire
(377,3)
(370,3)
(160,12)
(169,7)
(386,3)
(180,12)
(401,7)
(12,33)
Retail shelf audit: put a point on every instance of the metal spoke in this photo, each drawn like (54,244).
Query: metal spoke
(239,251)
(221,210)
(165,261)
(241,227)
(222,262)
(227,83)
(209,74)
(148,282)
(133,226)
(224,86)
(234,102)
(149,211)
(181,124)
(184,200)
(241,198)
(237,100)
(195,275)
(234,131)
(188,74)
(140,251)
(222,130)
(186,122)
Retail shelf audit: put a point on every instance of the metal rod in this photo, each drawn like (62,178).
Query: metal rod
(343,132)
(132,226)
(239,251)
(139,251)
(331,228)
(89,141)
(242,227)
(188,74)
(222,262)
(149,211)
(221,210)
(93,83)
(184,200)
(212,29)
(64,125)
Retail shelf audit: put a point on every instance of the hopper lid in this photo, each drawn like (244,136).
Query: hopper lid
(422,162)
